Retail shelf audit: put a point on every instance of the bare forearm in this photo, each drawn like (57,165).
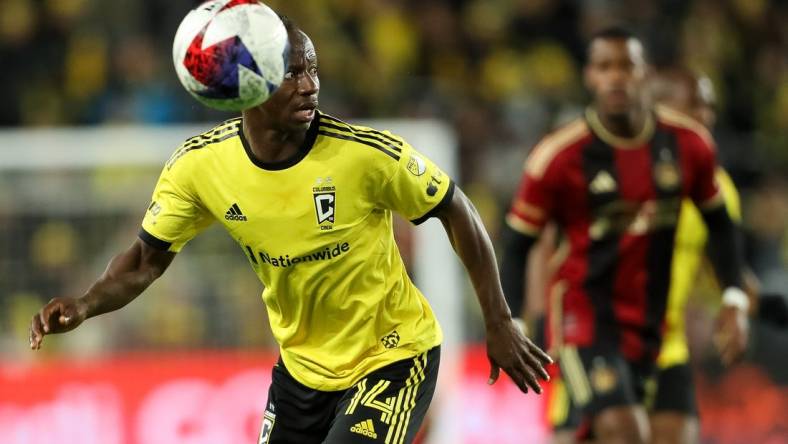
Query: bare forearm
(474,248)
(126,277)
(110,293)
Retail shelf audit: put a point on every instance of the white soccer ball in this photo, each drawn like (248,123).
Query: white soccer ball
(231,54)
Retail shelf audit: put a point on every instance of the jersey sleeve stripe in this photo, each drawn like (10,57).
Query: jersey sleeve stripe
(528,210)
(521,226)
(153,241)
(377,146)
(676,118)
(214,132)
(552,145)
(363,135)
(437,208)
(356,129)
(202,142)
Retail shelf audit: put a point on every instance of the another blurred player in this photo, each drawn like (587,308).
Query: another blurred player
(613,182)
(309,199)
(674,409)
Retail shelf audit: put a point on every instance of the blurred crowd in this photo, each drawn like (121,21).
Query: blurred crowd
(501,72)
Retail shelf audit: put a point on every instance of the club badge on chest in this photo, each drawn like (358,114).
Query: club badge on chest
(324,195)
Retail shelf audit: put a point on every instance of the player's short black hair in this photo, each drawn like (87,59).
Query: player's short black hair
(612,32)
(290,25)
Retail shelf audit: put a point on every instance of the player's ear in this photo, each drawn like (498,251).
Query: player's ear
(648,72)
(587,78)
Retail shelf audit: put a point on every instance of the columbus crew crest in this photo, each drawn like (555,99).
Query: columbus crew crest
(324,194)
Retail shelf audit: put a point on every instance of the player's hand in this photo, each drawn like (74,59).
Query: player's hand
(510,350)
(58,316)
(731,333)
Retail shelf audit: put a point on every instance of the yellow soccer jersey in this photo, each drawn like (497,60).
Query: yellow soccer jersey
(317,230)
(690,248)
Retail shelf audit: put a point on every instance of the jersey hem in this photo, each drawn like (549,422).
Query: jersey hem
(437,208)
(320,384)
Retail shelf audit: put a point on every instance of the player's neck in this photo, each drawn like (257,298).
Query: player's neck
(269,143)
(627,125)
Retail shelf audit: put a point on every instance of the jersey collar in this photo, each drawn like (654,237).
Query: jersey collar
(620,142)
(303,150)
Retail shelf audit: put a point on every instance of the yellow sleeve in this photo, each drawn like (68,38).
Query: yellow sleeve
(416,188)
(730,194)
(174,216)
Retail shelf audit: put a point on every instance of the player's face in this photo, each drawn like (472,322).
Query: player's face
(615,74)
(703,109)
(693,98)
(293,104)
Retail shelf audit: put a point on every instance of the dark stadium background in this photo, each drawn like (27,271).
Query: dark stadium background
(500,73)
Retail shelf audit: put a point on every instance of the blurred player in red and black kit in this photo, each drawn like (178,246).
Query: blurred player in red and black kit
(613,182)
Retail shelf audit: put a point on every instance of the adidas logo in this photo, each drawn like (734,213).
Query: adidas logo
(234,213)
(603,183)
(366,428)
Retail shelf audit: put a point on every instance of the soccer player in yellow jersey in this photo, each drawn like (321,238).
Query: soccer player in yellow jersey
(309,199)
(674,409)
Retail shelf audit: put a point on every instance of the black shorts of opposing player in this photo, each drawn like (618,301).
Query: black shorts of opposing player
(387,406)
(675,391)
(597,379)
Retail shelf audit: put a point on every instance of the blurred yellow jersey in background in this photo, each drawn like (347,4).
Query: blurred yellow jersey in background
(317,230)
(688,255)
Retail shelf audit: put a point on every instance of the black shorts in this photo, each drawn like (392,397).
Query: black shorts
(386,406)
(675,391)
(596,379)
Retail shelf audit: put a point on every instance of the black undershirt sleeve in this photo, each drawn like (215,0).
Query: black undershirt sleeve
(516,247)
(724,247)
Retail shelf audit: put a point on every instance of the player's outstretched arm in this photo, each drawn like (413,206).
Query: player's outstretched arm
(726,256)
(507,347)
(127,275)
(516,249)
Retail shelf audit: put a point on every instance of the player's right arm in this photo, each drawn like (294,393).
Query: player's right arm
(126,277)
(724,248)
(174,216)
(530,211)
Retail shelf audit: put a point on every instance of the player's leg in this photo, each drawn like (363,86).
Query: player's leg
(296,413)
(674,417)
(389,404)
(607,392)
(562,415)
(622,425)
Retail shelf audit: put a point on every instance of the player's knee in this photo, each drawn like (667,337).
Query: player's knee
(673,428)
(564,437)
(626,424)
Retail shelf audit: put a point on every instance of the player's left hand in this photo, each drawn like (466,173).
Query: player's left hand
(509,349)
(731,333)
